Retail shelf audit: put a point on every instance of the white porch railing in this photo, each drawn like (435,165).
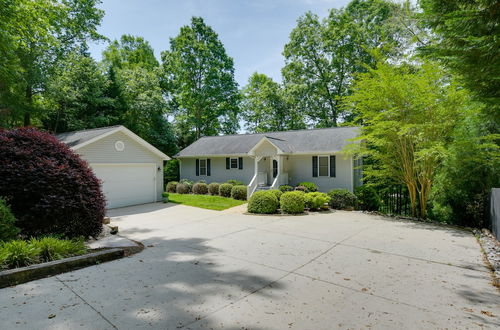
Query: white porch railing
(281,178)
(252,185)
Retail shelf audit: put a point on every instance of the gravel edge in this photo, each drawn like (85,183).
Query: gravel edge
(491,250)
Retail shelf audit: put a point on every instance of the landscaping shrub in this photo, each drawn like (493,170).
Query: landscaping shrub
(263,202)
(50,248)
(50,189)
(367,198)
(315,200)
(301,188)
(188,183)
(225,189)
(18,253)
(164,197)
(285,188)
(292,202)
(239,192)
(7,228)
(310,186)
(276,193)
(341,199)
(182,188)
(235,182)
(213,188)
(200,188)
(172,186)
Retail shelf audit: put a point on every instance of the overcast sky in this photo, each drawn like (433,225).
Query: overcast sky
(252,31)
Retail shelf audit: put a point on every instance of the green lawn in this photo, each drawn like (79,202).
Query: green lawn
(217,203)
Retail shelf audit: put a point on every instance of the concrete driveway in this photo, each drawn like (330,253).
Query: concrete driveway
(226,270)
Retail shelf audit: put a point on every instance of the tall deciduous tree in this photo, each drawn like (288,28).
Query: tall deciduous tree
(199,80)
(39,34)
(409,115)
(322,57)
(265,108)
(467,40)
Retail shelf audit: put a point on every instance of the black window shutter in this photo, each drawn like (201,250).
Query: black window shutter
(197,167)
(240,163)
(208,167)
(315,166)
(332,166)
(227,164)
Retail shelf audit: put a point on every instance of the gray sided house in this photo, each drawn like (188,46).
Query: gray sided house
(268,160)
(130,169)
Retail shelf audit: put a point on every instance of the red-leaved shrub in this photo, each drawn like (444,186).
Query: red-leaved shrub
(50,189)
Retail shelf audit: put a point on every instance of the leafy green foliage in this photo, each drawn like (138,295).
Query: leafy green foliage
(8,230)
(263,202)
(20,253)
(199,77)
(285,188)
(171,170)
(239,192)
(213,188)
(277,193)
(225,189)
(172,186)
(466,40)
(292,202)
(235,182)
(367,197)
(315,200)
(182,188)
(265,108)
(200,188)
(310,186)
(50,248)
(323,57)
(341,199)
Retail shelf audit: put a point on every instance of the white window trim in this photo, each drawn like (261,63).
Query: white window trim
(237,163)
(199,166)
(327,169)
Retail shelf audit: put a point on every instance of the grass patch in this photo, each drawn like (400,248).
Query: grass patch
(217,203)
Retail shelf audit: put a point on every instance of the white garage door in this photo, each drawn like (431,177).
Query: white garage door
(127,184)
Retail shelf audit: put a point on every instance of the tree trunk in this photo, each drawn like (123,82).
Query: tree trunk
(27,111)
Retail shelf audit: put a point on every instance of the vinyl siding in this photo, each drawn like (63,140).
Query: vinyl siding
(103,151)
(300,169)
(219,173)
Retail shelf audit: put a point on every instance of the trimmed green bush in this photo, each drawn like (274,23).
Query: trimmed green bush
(7,228)
(263,202)
(239,192)
(310,186)
(341,199)
(285,188)
(182,188)
(225,189)
(213,188)
(200,188)
(50,248)
(368,198)
(277,193)
(172,186)
(188,183)
(315,200)
(292,202)
(235,182)
(18,253)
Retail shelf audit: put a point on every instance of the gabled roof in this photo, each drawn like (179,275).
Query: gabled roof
(289,142)
(79,139)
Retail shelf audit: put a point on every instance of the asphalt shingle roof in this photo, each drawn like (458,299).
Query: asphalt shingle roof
(300,141)
(77,137)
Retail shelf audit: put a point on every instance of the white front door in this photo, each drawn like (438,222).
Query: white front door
(127,184)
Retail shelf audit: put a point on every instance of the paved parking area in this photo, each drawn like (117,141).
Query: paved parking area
(206,269)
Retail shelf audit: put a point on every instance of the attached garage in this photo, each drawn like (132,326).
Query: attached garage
(131,170)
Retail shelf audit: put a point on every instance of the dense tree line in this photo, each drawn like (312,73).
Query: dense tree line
(423,76)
